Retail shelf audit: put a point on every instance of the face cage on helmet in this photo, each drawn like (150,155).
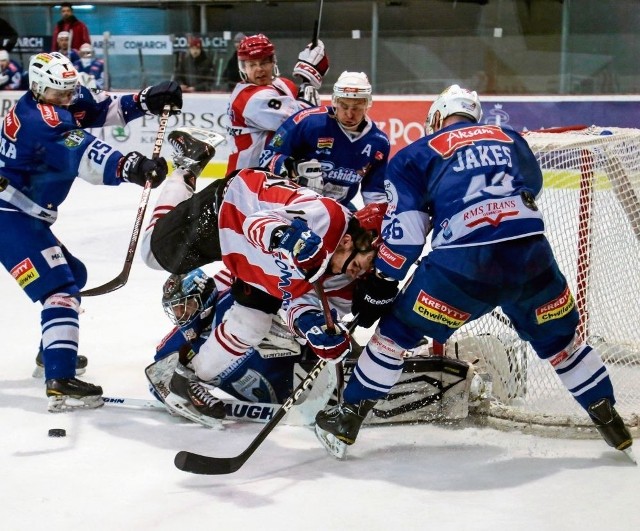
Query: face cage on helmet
(188,314)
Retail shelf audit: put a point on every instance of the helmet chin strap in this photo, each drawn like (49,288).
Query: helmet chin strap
(353,254)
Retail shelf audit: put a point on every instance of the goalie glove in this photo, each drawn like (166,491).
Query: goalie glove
(153,99)
(312,64)
(331,347)
(136,168)
(372,298)
(307,173)
(303,247)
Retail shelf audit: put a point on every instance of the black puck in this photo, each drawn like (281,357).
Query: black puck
(57,432)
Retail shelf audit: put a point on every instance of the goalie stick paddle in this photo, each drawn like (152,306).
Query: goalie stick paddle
(122,278)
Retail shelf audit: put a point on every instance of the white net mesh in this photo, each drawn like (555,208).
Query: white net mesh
(592,214)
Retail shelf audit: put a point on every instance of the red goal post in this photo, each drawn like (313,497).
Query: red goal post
(591,205)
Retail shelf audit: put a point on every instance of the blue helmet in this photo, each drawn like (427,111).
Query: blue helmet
(183,296)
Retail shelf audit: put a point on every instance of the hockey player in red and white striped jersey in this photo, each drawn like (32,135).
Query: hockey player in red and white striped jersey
(263,100)
(275,238)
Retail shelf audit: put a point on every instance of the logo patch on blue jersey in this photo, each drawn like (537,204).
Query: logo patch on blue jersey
(74,138)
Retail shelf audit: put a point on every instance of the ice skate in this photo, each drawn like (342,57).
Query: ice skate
(81,366)
(611,427)
(192,150)
(66,394)
(191,399)
(337,427)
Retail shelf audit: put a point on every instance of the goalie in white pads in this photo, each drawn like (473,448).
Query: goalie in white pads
(476,184)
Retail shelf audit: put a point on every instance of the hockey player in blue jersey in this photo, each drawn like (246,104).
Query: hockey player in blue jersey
(476,185)
(43,147)
(335,150)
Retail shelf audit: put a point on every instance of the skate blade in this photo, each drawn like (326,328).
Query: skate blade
(60,404)
(182,407)
(629,453)
(334,446)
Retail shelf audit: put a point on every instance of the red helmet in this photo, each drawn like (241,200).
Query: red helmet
(255,47)
(367,235)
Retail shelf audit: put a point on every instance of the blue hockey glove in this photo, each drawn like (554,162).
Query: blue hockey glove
(303,246)
(328,346)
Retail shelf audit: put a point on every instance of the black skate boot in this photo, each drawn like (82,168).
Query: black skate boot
(191,399)
(338,426)
(66,394)
(81,365)
(192,150)
(610,425)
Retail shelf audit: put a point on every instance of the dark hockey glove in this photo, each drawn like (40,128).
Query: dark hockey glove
(154,98)
(303,246)
(372,298)
(312,64)
(331,347)
(136,168)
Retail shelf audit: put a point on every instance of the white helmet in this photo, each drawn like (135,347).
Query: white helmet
(352,85)
(51,70)
(454,100)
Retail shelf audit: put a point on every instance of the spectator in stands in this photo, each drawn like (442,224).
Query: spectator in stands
(90,68)
(11,73)
(69,23)
(62,45)
(231,74)
(8,35)
(195,71)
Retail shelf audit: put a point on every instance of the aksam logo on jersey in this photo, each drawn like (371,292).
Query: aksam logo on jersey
(49,114)
(390,258)
(25,273)
(448,142)
(11,125)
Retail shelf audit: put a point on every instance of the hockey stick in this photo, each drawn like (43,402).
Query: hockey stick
(317,286)
(203,464)
(316,25)
(122,278)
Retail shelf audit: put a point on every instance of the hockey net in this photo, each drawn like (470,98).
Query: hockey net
(592,214)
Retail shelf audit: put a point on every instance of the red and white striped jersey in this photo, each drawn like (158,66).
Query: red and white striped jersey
(255,112)
(255,204)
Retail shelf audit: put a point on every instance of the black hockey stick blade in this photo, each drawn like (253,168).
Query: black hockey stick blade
(203,464)
(123,276)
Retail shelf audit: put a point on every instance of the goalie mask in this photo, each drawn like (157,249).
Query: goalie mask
(256,48)
(183,296)
(453,100)
(53,71)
